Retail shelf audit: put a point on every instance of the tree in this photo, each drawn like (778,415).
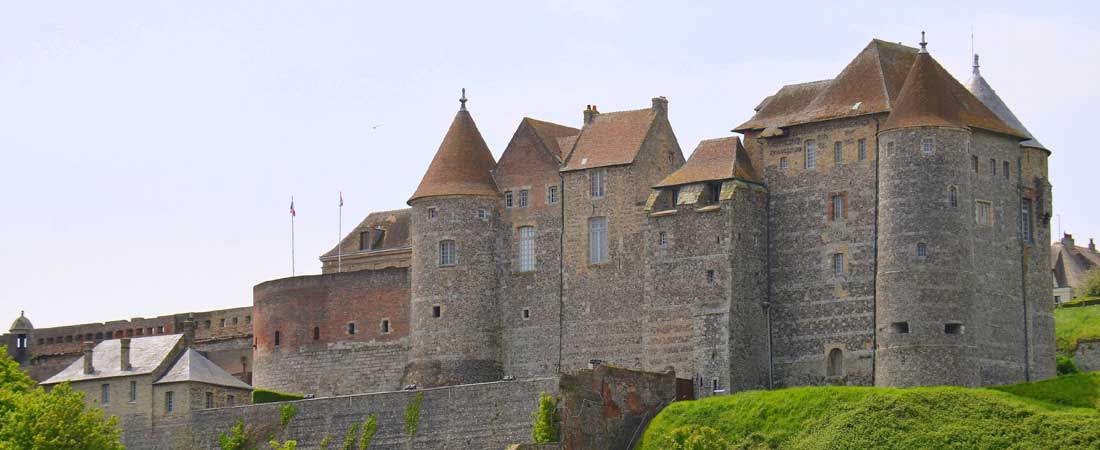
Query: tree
(546,420)
(31,418)
(1090,286)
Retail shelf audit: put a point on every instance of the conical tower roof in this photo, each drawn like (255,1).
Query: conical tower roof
(981,89)
(463,163)
(932,97)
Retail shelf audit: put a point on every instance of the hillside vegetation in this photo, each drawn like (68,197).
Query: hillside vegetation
(1057,413)
(1072,325)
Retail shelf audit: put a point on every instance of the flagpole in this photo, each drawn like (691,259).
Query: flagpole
(340,237)
(292,214)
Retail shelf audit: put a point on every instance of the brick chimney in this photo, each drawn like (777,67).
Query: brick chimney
(590,114)
(660,104)
(88,368)
(124,354)
(1067,240)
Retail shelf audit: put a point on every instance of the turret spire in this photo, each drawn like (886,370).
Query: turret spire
(462,100)
(923,43)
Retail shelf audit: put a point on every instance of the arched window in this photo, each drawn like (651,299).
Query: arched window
(953,196)
(835,364)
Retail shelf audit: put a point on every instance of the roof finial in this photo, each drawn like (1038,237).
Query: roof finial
(462,100)
(21,313)
(923,44)
(976,66)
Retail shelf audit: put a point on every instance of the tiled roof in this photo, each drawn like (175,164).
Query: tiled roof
(551,134)
(396,224)
(932,97)
(1070,263)
(192,366)
(462,165)
(984,92)
(611,139)
(714,159)
(869,84)
(146,354)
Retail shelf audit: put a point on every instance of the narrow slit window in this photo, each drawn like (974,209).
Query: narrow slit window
(710,276)
(953,196)
(316,333)
(1025,220)
(862,149)
(992,166)
(1004,169)
(351,327)
(526,313)
(974,162)
(133,391)
(437,311)
(277,339)
(385,326)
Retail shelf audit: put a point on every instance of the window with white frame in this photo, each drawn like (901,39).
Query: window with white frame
(838,264)
(526,249)
(783,163)
(447,253)
(523,198)
(508,199)
(662,239)
(169,401)
(1025,220)
(927,145)
(105,394)
(983,212)
(838,207)
(482,214)
(838,152)
(597,240)
(597,183)
(811,154)
(552,195)
(922,249)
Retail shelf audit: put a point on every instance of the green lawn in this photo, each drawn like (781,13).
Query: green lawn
(1072,325)
(1025,416)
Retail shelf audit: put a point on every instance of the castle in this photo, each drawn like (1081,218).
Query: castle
(886,227)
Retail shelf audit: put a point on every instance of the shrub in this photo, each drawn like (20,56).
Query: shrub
(695,437)
(546,420)
(349,437)
(266,396)
(286,413)
(1090,286)
(235,439)
(325,442)
(369,428)
(1066,365)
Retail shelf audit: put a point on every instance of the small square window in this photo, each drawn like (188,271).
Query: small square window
(899,328)
(437,311)
(552,195)
(523,197)
(953,328)
(433,213)
(710,276)
(526,313)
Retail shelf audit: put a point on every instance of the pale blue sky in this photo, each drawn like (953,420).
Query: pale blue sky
(150,149)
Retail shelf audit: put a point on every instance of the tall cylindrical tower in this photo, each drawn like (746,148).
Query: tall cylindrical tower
(455,313)
(924,272)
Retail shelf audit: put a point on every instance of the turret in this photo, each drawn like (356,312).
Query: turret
(455,313)
(20,332)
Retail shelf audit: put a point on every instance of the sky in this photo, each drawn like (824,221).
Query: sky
(149,150)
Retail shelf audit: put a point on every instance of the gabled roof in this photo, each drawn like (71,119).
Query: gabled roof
(611,139)
(396,224)
(462,165)
(869,84)
(932,97)
(713,160)
(985,93)
(192,366)
(146,354)
(550,134)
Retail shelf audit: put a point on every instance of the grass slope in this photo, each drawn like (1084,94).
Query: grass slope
(1022,416)
(1072,325)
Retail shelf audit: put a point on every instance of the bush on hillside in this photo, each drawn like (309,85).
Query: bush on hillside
(1073,325)
(1066,365)
(266,396)
(1090,286)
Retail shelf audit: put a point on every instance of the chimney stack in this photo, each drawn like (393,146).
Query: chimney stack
(88,368)
(124,354)
(189,331)
(1092,246)
(1067,240)
(660,104)
(590,114)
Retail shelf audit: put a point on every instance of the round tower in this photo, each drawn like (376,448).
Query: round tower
(454,312)
(20,332)
(924,273)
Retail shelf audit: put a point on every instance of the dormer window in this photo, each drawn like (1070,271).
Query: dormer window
(713,192)
(376,240)
(364,240)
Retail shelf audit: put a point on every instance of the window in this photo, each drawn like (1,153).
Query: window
(974,162)
(221,323)
(811,154)
(983,212)
(927,145)
(992,167)
(276,338)
(1004,168)
(169,401)
(671,157)
(160,330)
(233,321)
(710,276)
(662,239)
(1025,220)
(714,192)
(523,197)
(433,213)
(597,183)
(674,197)
(364,240)
(230,400)
(526,313)
(482,214)
(385,326)
(209,400)
(899,328)
(953,196)
(316,333)
(437,311)
(836,207)
(952,328)
(834,365)
(247,319)
(597,240)
(447,253)
(552,195)
(133,391)
(838,152)
(862,149)
(508,199)
(838,264)
(105,394)
(922,249)
(205,324)
(526,249)
(783,163)
(351,328)
(890,148)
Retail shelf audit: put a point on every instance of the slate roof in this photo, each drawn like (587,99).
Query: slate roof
(552,134)
(192,366)
(396,223)
(611,139)
(985,93)
(146,353)
(462,165)
(1070,263)
(712,160)
(21,323)
(932,97)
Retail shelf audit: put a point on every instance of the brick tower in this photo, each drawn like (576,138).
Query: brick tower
(455,311)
